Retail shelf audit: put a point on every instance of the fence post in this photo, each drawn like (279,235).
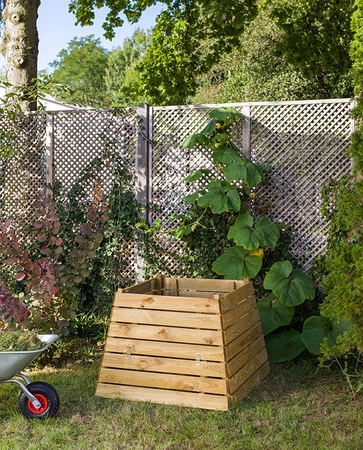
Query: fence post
(49,149)
(143,158)
(143,172)
(246,111)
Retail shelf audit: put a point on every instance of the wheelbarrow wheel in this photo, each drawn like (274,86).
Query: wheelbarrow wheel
(47,397)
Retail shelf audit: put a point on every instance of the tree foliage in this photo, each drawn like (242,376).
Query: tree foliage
(121,76)
(261,67)
(188,38)
(316,39)
(82,66)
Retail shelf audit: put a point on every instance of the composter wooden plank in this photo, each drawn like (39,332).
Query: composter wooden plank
(242,358)
(171,349)
(192,399)
(205,285)
(239,327)
(234,298)
(165,365)
(167,318)
(147,287)
(163,381)
(161,333)
(252,381)
(241,309)
(247,370)
(253,333)
(167,303)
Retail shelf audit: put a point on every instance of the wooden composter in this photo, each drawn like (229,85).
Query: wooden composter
(191,342)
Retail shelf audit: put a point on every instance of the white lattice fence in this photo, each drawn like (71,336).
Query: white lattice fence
(304,142)
(23,174)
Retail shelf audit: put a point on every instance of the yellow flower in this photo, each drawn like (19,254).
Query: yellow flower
(257,251)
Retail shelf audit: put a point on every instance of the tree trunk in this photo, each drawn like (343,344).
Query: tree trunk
(20,48)
(23,173)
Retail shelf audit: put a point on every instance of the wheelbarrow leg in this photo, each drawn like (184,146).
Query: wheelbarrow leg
(29,395)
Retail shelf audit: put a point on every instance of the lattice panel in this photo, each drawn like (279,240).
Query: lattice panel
(23,174)
(81,137)
(304,142)
(305,145)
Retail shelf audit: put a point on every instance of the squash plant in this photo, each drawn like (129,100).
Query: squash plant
(227,188)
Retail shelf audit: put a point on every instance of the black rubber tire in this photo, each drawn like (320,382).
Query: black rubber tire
(46,394)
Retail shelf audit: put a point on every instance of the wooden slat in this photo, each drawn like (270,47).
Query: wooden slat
(253,333)
(166,349)
(236,381)
(174,382)
(241,359)
(234,298)
(242,325)
(165,365)
(252,381)
(192,399)
(241,309)
(160,333)
(206,285)
(146,287)
(167,303)
(167,318)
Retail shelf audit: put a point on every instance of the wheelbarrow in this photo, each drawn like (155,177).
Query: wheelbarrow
(38,399)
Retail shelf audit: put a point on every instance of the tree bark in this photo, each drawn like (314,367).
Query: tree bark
(20,49)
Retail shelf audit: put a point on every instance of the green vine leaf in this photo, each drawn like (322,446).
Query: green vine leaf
(284,346)
(194,139)
(225,155)
(317,329)
(221,199)
(235,263)
(224,113)
(252,234)
(197,175)
(291,286)
(274,314)
(243,170)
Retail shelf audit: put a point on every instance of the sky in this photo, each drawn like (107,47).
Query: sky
(56,29)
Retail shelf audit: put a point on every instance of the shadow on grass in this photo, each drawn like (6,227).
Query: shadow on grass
(298,406)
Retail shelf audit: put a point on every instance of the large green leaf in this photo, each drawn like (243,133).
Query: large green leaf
(209,128)
(197,175)
(221,199)
(317,329)
(225,155)
(291,286)
(224,113)
(252,234)
(243,170)
(274,314)
(193,139)
(236,263)
(284,346)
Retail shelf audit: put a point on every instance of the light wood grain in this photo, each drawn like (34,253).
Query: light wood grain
(162,333)
(166,349)
(196,400)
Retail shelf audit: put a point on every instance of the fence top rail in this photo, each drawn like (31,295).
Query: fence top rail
(294,102)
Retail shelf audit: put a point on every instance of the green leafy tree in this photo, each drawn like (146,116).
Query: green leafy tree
(82,66)
(188,38)
(257,70)
(316,39)
(121,76)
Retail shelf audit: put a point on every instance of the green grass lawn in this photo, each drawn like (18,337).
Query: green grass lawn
(298,406)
